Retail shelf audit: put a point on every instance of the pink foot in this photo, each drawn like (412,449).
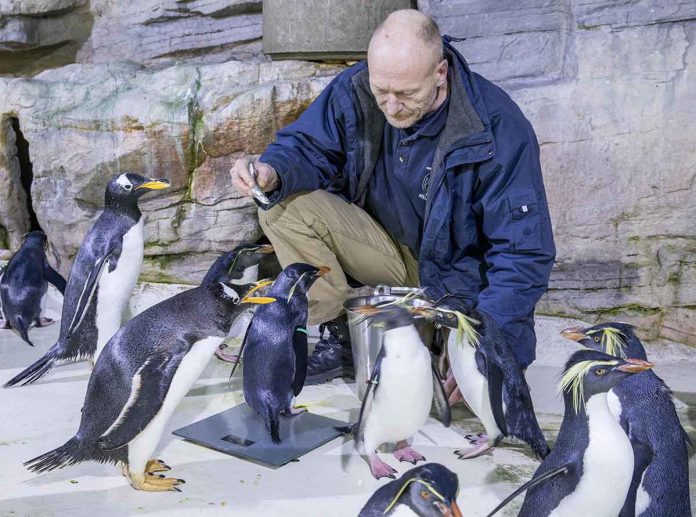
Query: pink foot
(228,358)
(380,469)
(480,445)
(4,324)
(294,410)
(405,453)
(452,390)
(44,322)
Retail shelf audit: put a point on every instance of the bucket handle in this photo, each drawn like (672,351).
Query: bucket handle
(386,290)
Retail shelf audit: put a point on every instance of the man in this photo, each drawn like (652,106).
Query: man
(410,170)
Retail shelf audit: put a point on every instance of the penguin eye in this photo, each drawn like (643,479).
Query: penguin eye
(425,494)
(128,186)
(596,338)
(600,371)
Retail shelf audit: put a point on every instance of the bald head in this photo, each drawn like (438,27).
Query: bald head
(406,66)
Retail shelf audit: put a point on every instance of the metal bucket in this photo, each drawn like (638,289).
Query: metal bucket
(366,341)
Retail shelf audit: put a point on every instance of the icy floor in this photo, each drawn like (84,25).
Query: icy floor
(331,480)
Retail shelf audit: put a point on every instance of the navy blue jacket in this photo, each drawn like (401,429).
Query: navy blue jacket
(487,232)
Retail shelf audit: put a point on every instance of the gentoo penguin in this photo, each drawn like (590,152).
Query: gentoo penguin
(489,379)
(24,284)
(589,470)
(428,491)
(101,279)
(237,267)
(275,347)
(145,370)
(400,392)
(660,484)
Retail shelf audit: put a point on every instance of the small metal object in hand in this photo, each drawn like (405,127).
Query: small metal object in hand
(256,190)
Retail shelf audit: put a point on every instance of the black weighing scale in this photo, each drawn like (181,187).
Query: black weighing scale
(239,431)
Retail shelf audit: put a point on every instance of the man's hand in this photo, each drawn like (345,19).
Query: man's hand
(266,177)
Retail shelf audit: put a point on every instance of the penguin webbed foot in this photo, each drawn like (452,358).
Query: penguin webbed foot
(154,466)
(4,324)
(480,443)
(228,358)
(379,469)
(155,483)
(405,453)
(44,322)
(294,410)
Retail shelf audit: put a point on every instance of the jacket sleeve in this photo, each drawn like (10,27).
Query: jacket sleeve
(310,153)
(510,203)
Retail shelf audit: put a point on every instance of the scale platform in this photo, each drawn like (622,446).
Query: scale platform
(239,431)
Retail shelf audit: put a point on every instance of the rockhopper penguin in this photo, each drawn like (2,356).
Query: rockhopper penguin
(101,279)
(24,283)
(145,370)
(428,491)
(275,347)
(400,392)
(489,379)
(589,469)
(660,484)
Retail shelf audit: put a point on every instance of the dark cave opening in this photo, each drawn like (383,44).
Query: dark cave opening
(26,171)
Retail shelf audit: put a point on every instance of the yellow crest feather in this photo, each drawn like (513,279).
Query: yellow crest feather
(573,380)
(613,341)
(466,328)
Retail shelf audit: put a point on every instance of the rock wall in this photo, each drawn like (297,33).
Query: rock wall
(180,89)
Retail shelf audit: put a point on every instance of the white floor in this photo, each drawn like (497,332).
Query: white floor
(331,480)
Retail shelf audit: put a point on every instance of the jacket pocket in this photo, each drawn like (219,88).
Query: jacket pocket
(525,222)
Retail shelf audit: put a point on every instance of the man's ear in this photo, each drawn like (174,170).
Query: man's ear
(441,72)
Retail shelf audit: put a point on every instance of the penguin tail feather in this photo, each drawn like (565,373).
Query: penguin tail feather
(274,426)
(63,456)
(34,372)
(23,330)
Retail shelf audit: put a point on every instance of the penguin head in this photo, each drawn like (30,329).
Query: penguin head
(36,238)
(429,490)
(124,190)
(297,278)
(438,315)
(617,339)
(233,264)
(588,373)
(388,317)
(467,327)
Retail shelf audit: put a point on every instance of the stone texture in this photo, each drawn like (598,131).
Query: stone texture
(14,215)
(187,123)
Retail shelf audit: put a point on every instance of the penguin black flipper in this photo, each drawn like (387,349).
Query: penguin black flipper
(241,350)
(442,406)
(148,390)
(55,278)
(372,385)
(299,344)
(563,469)
(495,388)
(111,258)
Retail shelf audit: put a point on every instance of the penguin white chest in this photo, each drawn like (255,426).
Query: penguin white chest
(607,466)
(115,286)
(404,394)
(190,369)
(472,384)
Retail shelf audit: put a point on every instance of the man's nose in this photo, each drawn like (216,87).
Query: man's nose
(393,106)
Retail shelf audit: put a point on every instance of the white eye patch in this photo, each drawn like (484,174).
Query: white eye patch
(124,182)
(230,293)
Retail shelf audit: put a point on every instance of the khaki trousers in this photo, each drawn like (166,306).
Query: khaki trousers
(322,229)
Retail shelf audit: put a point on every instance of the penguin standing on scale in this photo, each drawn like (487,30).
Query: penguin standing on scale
(589,469)
(23,285)
(400,392)
(145,370)
(101,279)
(644,406)
(275,347)
(489,379)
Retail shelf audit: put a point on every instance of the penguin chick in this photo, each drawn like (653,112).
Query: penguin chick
(589,470)
(101,279)
(275,347)
(428,491)
(660,483)
(146,369)
(23,285)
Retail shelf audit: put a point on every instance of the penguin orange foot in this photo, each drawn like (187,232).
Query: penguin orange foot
(380,469)
(44,322)
(480,445)
(404,453)
(154,466)
(154,482)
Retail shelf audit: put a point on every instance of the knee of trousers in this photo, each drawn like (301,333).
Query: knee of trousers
(299,208)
